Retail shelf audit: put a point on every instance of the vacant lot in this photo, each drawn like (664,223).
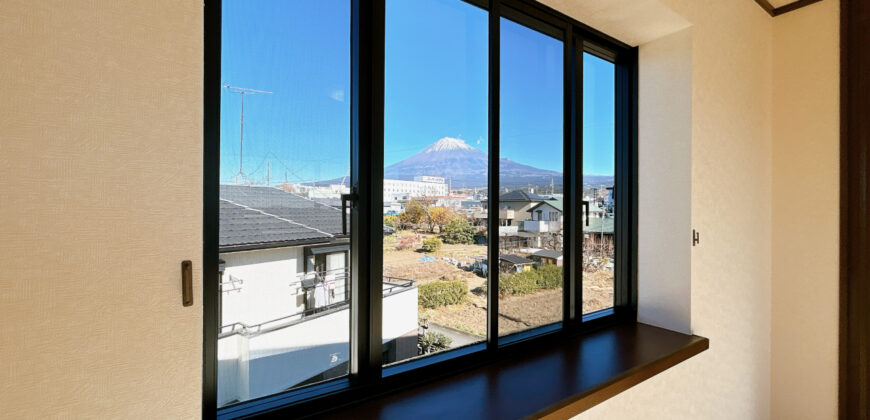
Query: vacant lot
(517,313)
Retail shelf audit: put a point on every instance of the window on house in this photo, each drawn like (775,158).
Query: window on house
(475,140)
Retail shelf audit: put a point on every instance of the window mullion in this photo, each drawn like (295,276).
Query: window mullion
(572,151)
(492,222)
(367,98)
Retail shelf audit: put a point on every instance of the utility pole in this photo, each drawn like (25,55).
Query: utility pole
(242,92)
(268,172)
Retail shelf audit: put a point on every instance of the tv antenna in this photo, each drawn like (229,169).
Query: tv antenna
(242,92)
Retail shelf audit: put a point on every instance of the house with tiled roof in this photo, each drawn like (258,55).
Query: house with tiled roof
(285,281)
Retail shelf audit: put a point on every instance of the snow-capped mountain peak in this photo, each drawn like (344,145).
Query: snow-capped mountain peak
(446,144)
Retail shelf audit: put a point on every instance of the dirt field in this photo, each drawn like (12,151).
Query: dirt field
(517,313)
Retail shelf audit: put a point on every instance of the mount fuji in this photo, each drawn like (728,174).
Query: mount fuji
(465,166)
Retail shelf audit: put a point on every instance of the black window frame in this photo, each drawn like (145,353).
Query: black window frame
(368,377)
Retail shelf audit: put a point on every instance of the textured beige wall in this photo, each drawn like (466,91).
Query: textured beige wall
(100,200)
(731,207)
(804,332)
(664,197)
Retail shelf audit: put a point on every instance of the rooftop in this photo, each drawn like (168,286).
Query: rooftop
(555,203)
(548,253)
(515,259)
(252,216)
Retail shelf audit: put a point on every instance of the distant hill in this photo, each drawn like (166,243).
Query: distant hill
(465,166)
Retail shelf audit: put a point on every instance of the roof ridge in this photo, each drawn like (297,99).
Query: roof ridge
(277,217)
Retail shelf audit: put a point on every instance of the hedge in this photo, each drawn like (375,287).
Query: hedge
(550,276)
(519,283)
(442,293)
(540,278)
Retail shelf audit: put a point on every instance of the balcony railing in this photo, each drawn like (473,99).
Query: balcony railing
(541,226)
(304,282)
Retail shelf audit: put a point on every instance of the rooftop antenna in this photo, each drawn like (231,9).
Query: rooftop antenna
(242,92)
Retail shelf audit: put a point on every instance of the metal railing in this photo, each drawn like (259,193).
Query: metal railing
(391,285)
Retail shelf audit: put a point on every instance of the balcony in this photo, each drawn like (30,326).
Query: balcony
(502,214)
(272,356)
(542,226)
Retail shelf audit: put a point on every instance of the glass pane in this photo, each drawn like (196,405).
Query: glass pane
(599,158)
(435,177)
(285,158)
(530,179)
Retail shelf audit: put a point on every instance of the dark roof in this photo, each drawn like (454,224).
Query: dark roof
(331,202)
(252,216)
(548,253)
(515,259)
(519,195)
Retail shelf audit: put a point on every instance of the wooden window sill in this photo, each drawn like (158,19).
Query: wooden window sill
(556,382)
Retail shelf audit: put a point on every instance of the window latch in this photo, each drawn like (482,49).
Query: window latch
(696,237)
(352,197)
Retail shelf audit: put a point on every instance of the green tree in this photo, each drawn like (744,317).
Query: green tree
(458,231)
(391,221)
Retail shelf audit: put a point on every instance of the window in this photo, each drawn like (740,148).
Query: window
(393,188)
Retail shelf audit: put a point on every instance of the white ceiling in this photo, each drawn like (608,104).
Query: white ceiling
(634,22)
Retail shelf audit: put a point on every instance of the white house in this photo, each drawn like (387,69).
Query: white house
(284,302)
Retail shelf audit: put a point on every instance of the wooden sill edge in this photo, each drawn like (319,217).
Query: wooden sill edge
(579,403)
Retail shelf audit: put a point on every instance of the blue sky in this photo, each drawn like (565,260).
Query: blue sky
(436,86)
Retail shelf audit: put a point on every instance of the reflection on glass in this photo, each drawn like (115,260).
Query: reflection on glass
(435,177)
(285,157)
(530,178)
(599,151)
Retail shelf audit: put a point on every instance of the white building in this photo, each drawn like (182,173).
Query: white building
(422,186)
(284,302)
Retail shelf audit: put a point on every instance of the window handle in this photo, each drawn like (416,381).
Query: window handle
(352,197)
(586,205)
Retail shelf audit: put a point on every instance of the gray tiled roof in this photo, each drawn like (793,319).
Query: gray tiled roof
(519,195)
(548,253)
(254,215)
(515,259)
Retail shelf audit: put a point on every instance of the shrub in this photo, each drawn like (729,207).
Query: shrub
(391,221)
(406,242)
(441,293)
(431,245)
(519,283)
(550,276)
(434,341)
(459,231)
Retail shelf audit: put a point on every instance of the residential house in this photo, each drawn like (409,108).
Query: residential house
(513,206)
(284,300)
